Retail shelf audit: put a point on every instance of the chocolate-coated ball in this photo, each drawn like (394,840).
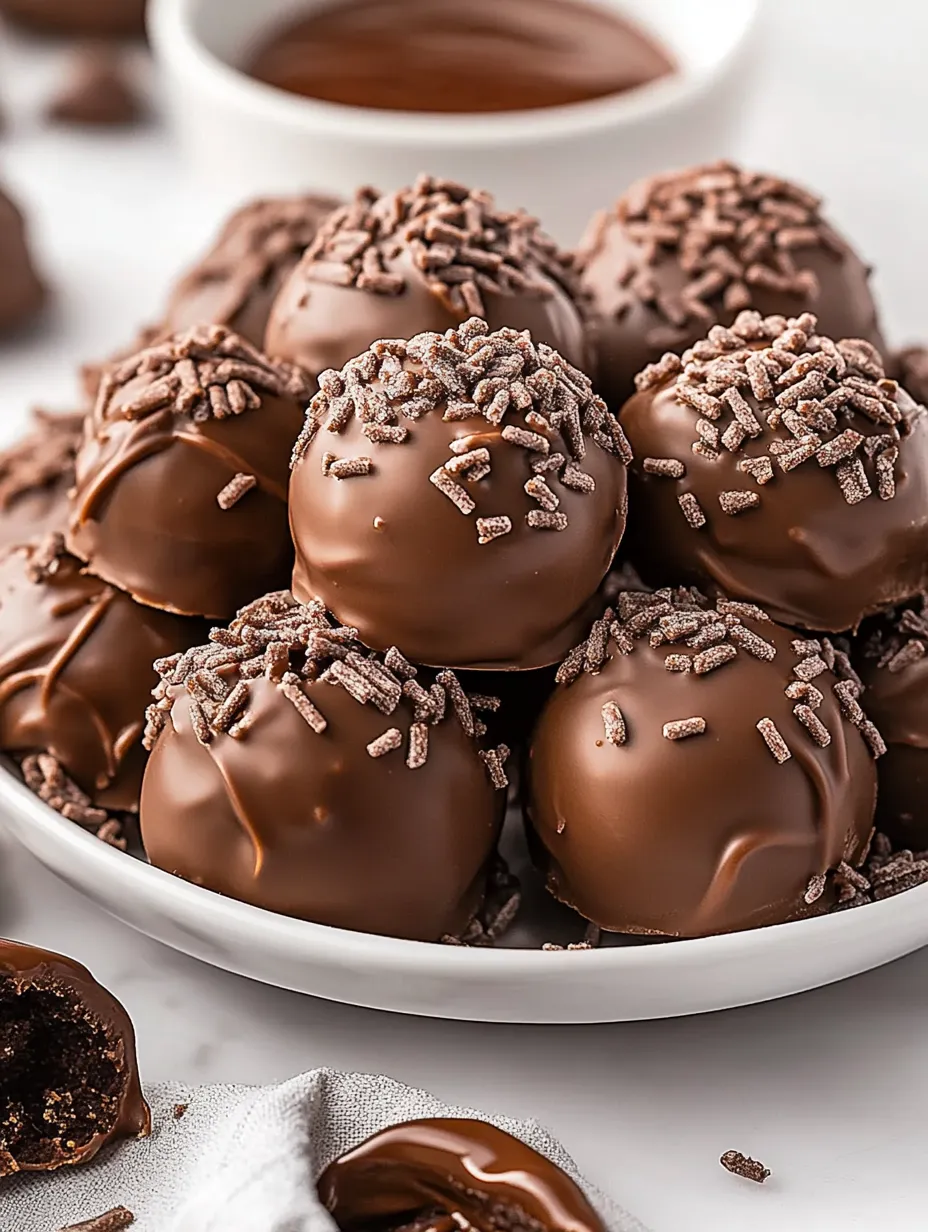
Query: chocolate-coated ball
(775,465)
(237,280)
(459,495)
(76,669)
(181,493)
(425,258)
(22,292)
(686,250)
(699,770)
(36,474)
(891,655)
(293,770)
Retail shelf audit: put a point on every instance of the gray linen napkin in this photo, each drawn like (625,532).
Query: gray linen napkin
(244,1159)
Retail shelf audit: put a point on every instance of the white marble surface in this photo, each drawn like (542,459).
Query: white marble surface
(829,1089)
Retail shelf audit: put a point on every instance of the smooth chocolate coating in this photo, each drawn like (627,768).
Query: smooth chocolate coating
(331,309)
(76,670)
(891,658)
(708,832)
(308,822)
(395,557)
(22,292)
(427,55)
(686,250)
(25,969)
(236,282)
(172,428)
(821,547)
(78,18)
(453,1165)
(36,474)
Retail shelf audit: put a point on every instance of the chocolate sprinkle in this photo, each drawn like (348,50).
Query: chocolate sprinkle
(460,243)
(111,1221)
(774,741)
(42,459)
(235,489)
(743,1165)
(291,644)
(680,729)
(44,775)
(816,388)
(465,373)
(614,723)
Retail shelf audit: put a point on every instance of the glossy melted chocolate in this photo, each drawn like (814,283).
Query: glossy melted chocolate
(464,1167)
(435,56)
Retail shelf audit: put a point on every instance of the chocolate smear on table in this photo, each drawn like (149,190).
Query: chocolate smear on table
(743,1165)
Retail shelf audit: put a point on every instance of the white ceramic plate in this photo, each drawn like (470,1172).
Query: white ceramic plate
(657,980)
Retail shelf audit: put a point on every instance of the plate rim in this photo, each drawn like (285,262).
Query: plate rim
(399,953)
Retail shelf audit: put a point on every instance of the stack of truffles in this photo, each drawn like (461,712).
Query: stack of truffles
(378,576)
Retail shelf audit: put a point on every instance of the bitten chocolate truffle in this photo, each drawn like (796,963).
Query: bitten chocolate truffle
(683,251)
(891,654)
(76,669)
(69,1082)
(22,292)
(181,493)
(438,1173)
(459,495)
(699,769)
(236,281)
(425,258)
(778,466)
(36,475)
(78,18)
(292,769)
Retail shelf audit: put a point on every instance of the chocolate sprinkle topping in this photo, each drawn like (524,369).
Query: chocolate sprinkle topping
(730,231)
(460,243)
(743,1165)
(208,372)
(465,373)
(291,644)
(45,775)
(42,459)
(815,388)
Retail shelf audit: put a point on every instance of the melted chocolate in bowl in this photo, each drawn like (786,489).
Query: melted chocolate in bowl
(435,56)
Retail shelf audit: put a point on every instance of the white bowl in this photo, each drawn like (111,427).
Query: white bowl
(560,162)
(660,980)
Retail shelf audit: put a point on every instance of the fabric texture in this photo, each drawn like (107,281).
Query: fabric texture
(245,1159)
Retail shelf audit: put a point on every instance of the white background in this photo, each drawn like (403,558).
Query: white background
(829,1089)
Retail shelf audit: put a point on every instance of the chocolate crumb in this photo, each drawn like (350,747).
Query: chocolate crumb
(111,1221)
(743,1165)
(179,1110)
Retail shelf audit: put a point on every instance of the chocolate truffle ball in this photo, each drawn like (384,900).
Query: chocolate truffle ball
(424,258)
(181,494)
(293,770)
(699,769)
(78,18)
(36,475)
(775,465)
(459,495)
(69,1082)
(76,669)
(21,290)
(690,249)
(890,654)
(236,281)
(452,1167)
